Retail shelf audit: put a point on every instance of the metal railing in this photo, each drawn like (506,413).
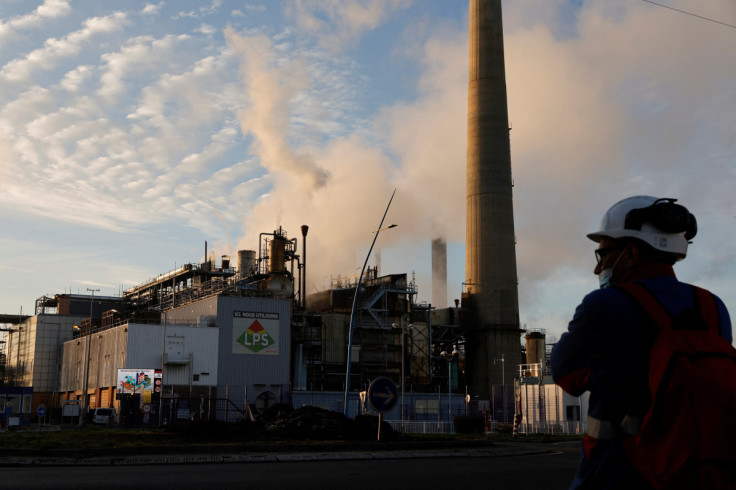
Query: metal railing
(421,427)
(434,427)
(552,427)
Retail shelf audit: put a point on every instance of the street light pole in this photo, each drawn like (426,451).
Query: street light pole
(448,357)
(161,392)
(85,387)
(403,378)
(355,304)
(503,384)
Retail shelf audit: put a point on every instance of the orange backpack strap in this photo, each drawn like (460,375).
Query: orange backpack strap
(706,303)
(703,301)
(649,303)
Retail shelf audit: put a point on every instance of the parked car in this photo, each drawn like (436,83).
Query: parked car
(104,416)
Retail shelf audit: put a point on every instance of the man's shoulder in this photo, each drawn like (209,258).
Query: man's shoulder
(603,297)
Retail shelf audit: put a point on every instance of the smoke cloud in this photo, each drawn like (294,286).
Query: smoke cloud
(341,189)
(600,108)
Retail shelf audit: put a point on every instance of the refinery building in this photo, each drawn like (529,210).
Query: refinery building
(227,341)
(212,341)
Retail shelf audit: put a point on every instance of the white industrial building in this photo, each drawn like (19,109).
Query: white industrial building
(189,359)
(32,350)
(547,408)
(239,350)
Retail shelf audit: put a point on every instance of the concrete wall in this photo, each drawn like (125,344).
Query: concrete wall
(490,264)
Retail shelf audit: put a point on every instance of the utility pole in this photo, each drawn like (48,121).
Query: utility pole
(85,397)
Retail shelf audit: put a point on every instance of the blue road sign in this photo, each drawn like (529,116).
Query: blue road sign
(382,394)
(41,411)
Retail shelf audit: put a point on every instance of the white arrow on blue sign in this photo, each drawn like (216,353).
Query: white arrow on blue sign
(382,394)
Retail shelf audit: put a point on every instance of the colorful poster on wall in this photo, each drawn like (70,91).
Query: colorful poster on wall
(255,333)
(135,380)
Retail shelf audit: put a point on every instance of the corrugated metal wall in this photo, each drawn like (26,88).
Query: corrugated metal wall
(139,346)
(195,362)
(253,373)
(334,330)
(107,353)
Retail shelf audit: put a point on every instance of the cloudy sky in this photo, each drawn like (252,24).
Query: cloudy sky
(131,132)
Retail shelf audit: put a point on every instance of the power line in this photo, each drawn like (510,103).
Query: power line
(689,13)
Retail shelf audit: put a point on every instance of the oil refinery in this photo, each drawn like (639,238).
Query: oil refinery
(229,341)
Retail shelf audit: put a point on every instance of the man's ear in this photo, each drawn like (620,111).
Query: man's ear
(634,255)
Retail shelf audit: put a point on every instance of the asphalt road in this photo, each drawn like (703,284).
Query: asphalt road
(552,469)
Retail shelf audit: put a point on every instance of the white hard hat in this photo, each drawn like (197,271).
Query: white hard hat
(661,223)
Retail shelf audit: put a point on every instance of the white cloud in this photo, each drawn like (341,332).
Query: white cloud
(50,9)
(74,79)
(206,29)
(202,11)
(152,9)
(139,55)
(340,23)
(55,50)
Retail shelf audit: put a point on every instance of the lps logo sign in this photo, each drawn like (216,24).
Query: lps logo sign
(255,338)
(255,333)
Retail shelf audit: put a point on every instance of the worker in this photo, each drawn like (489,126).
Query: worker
(607,347)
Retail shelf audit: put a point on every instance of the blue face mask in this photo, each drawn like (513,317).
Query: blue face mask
(605,277)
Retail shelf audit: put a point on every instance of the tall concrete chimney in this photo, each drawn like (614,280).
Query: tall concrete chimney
(439,273)
(493,344)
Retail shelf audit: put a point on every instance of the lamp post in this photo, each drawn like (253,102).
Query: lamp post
(503,384)
(163,361)
(355,303)
(85,398)
(449,357)
(403,378)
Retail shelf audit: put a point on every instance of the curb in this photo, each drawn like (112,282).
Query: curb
(503,450)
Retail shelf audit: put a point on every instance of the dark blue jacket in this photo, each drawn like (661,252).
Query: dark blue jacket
(605,351)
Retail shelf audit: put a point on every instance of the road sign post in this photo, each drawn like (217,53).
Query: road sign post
(382,395)
(40,412)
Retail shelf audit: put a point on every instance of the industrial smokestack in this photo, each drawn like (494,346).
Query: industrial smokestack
(439,272)
(490,261)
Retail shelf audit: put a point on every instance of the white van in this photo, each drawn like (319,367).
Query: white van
(104,416)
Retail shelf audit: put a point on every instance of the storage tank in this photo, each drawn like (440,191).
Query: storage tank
(277,254)
(246,262)
(535,340)
(280,285)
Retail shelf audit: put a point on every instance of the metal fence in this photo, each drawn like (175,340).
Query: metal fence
(420,427)
(203,408)
(228,410)
(552,427)
(434,427)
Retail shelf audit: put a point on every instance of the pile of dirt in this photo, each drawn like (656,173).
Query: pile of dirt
(282,423)
(310,423)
